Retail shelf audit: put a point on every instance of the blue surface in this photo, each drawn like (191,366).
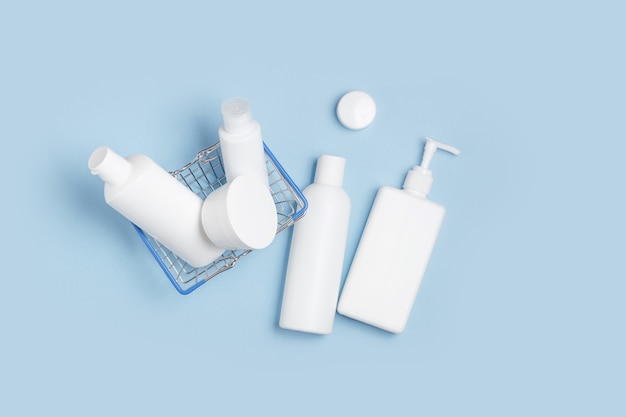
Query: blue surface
(522,309)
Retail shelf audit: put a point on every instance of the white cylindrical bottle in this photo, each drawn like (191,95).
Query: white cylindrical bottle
(394,250)
(241,142)
(161,206)
(316,256)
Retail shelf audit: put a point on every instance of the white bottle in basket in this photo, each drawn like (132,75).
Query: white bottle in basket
(394,250)
(155,201)
(318,243)
(241,214)
(241,141)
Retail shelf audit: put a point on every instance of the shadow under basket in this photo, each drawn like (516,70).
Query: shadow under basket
(202,176)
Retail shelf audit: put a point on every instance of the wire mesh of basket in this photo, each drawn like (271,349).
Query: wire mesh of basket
(204,174)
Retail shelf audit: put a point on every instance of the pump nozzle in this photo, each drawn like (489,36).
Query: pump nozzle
(419,180)
(430,148)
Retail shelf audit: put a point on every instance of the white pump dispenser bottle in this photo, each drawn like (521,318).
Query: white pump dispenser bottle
(394,250)
(316,255)
(155,201)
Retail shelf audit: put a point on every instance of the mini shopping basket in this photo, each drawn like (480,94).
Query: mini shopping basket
(204,174)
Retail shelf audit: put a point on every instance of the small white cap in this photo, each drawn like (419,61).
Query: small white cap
(330,170)
(356,110)
(240,214)
(236,115)
(111,167)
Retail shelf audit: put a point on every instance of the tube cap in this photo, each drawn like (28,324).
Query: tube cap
(330,170)
(236,114)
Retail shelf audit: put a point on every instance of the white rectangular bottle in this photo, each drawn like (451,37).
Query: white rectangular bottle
(394,250)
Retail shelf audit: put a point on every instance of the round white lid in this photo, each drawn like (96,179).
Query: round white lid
(356,110)
(240,214)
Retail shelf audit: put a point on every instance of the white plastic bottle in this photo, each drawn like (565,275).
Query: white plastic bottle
(318,243)
(155,201)
(241,141)
(394,250)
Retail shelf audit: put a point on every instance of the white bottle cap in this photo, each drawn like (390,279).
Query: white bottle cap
(240,214)
(356,110)
(236,115)
(111,167)
(330,170)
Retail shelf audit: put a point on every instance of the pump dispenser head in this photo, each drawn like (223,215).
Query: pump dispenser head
(419,180)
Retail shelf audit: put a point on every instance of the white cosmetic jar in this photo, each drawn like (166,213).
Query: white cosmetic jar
(240,214)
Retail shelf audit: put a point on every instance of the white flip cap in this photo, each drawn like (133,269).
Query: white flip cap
(356,110)
(330,170)
(240,214)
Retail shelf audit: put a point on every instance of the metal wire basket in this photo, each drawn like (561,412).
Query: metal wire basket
(202,176)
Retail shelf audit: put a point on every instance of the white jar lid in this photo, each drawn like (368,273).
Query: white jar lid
(240,214)
(356,110)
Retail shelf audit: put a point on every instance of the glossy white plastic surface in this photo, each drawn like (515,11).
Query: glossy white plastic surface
(161,206)
(356,110)
(391,258)
(241,142)
(315,264)
(394,250)
(240,214)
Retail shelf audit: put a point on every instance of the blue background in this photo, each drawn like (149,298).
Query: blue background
(521,311)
